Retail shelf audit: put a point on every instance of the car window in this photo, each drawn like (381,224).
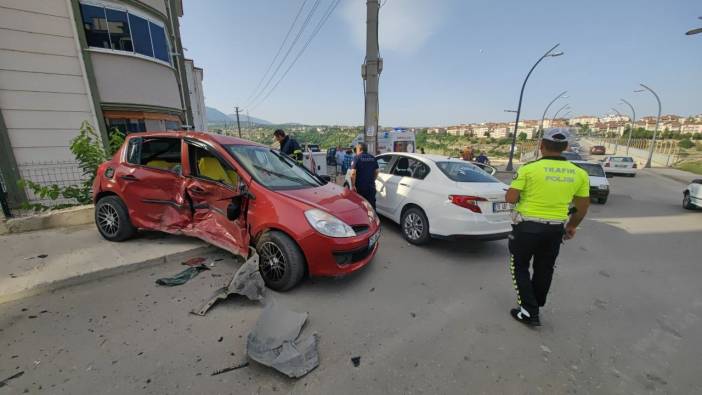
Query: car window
(272,169)
(410,167)
(204,164)
(592,169)
(464,172)
(571,155)
(384,163)
(158,153)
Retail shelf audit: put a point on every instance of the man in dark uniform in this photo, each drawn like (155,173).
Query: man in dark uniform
(543,191)
(364,171)
(288,145)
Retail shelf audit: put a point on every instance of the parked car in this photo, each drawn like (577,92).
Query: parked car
(692,195)
(598,150)
(433,196)
(571,156)
(235,194)
(599,185)
(623,165)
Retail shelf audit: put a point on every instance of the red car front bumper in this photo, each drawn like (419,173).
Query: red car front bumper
(330,257)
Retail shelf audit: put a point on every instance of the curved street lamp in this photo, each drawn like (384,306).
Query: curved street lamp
(565,107)
(633,122)
(560,95)
(616,141)
(695,31)
(658,121)
(549,53)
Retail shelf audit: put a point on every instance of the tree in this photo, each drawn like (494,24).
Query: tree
(686,143)
(522,136)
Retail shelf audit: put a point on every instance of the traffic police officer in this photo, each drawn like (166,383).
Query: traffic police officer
(543,191)
(288,145)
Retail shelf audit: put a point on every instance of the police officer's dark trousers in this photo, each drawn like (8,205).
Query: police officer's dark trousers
(540,242)
(368,194)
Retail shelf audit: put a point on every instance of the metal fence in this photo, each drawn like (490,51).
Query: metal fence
(47,173)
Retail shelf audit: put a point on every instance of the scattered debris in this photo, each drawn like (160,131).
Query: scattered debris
(220,339)
(372,289)
(194,261)
(545,349)
(356,361)
(229,369)
(413,315)
(14,376)
(40,256)
(182,277)
(275,342)
(247,281)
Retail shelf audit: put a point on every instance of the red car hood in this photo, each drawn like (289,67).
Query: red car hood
(340,202)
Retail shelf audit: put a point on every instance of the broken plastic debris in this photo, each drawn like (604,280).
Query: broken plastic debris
(194,261)
(275,342)
(247,281)
(356,361)
(182,277)
(229,369)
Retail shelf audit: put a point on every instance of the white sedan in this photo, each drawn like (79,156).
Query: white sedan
(624,165)
(692,195)
(440,197)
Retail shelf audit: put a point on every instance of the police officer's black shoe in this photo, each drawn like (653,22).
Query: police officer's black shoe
(518,315)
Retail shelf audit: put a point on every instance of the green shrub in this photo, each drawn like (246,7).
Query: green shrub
(90,153)
(686,143)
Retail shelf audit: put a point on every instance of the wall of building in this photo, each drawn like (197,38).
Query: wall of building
(194,77)
(147,82)
(44,95)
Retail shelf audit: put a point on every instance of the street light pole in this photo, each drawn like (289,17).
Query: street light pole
(560,95)
(655,131)
(565,106)
(695,31)
(519,106)
(616,141)
(633,121)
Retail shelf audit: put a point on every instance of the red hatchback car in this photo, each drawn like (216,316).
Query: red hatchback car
(234,194)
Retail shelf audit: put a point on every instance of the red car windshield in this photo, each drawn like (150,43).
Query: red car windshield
(272,169)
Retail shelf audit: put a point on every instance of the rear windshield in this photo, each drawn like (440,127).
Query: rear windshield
(592,169)
(465,172)
(622,159)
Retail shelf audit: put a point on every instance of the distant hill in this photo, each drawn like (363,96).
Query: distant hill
(216,116)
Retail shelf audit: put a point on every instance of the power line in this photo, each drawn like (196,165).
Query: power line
(287,53)
(320,24)
(287,35)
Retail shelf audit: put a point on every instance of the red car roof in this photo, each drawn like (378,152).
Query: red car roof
(206,136)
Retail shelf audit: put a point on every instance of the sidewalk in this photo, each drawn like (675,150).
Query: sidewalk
(40,261)
(683,176)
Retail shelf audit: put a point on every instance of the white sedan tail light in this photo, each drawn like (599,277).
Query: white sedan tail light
(469,202)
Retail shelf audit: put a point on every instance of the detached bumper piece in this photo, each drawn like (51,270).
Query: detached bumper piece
(247,281)
(275,342)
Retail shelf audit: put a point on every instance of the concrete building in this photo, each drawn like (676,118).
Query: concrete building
(194,76)
(113,63)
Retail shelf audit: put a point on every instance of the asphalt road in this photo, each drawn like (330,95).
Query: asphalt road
(624,316)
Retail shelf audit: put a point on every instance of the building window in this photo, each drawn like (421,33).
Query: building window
(127,126)
(120,30)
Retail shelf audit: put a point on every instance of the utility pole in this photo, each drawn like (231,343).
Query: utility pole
(238,125)
(370,72)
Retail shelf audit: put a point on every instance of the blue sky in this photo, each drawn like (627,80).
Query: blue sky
(451,61)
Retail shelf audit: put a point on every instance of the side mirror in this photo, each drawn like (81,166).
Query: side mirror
(233,210)
(325,179)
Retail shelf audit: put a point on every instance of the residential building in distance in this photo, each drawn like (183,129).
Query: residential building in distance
(436,130)
(615,118)
(113,63)
(584,120)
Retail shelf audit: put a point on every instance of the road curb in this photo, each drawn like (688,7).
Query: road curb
(72,216)
(105,273)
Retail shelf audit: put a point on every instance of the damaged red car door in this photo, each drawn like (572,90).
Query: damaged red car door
(150,180)
(219,208)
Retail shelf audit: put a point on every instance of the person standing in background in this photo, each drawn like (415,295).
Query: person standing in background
(364,171)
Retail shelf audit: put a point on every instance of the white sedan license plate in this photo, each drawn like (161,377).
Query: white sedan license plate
(621,166)
(373,239)
(500,207)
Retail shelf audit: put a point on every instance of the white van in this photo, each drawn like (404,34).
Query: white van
(599,185)
(396,140)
